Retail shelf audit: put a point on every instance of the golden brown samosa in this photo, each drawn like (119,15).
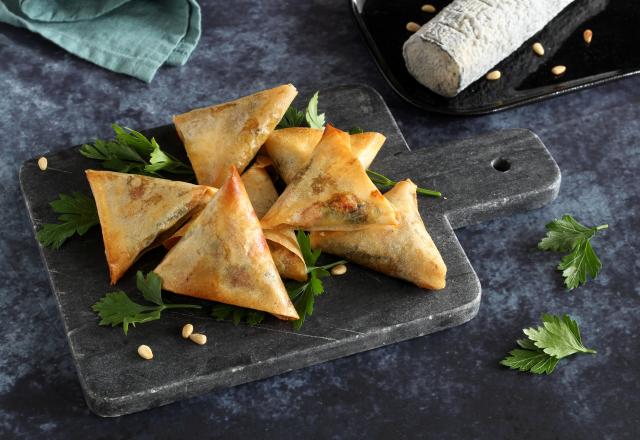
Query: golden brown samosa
(406,251)
(291,148)
(224,257)
(333,192)
(260,188)
(365,146)
(282,242)
(169,242)
(137,212)
(286,253)
(223,135)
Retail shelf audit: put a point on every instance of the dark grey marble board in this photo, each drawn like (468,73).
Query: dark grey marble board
(481,178)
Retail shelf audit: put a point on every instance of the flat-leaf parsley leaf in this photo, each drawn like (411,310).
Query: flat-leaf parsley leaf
(568,235)
(559,337)
(132,152)
(78,215)
(116,308)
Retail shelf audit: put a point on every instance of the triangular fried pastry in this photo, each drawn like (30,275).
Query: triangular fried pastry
(332,193)
(405,251)
(224,257)
(260,189)
(169,242)
(291,148)
(286,253)
(223,135)
(282,242)
(365,146)
(137,212)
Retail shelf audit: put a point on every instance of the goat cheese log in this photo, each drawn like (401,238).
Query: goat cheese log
(469,37)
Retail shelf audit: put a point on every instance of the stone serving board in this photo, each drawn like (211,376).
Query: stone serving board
(481,178)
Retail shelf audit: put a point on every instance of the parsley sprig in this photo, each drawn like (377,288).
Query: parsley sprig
(303,295)
(116,308)
(310,118)
(132,152)
(558,338)
(567,235)
(78,215)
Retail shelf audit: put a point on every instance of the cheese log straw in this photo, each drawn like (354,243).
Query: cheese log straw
(469,37)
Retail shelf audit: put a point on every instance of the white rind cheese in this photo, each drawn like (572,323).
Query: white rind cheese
(469,37)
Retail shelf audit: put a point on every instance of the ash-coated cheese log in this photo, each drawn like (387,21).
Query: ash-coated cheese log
(469,37)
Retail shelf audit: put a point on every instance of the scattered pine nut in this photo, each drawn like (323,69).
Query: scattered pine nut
(42,163)
(428,8)
(340,269)
(145,352)
(538,49)
(413,27)
(559,70)
(588,36)
(187,330)
(198,338)
(494,75)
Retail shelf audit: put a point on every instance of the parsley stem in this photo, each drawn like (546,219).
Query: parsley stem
(601,227)
(384,181)
(180,306)
(326,266)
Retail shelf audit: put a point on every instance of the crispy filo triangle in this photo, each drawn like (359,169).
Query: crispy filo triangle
(286,253)
(169,242)
(138,212)
(282,242)
(259,187)
(291,148)
(224,257)
(406,251)
(223,135)
(332,193)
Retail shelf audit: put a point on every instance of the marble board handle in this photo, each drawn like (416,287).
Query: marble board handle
(481,178)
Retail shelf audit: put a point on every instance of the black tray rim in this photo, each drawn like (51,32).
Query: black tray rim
(381,65)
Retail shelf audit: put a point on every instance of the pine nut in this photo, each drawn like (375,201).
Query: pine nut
(42,163)
(538,49)
(187,330)
(588,36)
(428,8)
(413,27)
(198,338)
(145,352)
(494,75)
(340,269)
(559,70)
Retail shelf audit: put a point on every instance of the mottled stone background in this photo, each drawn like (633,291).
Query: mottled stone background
(447,385)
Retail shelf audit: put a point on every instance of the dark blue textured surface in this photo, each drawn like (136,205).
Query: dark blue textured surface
(446,385)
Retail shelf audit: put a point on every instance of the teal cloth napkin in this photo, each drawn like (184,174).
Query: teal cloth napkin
(134,37)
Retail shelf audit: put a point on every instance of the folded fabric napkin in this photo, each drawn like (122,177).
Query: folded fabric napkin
(134,37)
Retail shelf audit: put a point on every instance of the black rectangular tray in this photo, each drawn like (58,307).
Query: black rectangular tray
(481,178)
(526,78)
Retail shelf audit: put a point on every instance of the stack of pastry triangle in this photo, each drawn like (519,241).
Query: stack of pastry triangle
(291,148)
(332,193)
(138,212)
(224,257)
(220,136)
(283,244)
(406,251)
